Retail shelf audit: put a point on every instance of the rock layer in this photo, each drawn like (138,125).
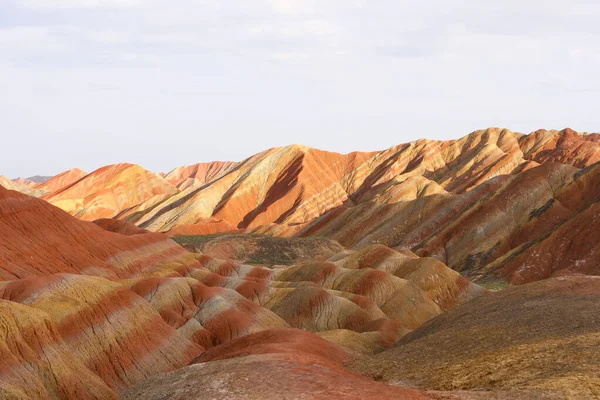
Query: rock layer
(110,190)
(469,202)
(111,305)
(61,180)
(302,365)
(37,239)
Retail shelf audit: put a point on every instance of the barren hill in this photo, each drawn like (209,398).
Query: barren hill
(541,339)
(92,309)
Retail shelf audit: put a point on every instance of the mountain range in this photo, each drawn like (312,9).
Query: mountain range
(461,269)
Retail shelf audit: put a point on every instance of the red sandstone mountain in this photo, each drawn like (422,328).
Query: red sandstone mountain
(487,232)
(99,307)
(61,180)
(293,185)
(108,191)
(198,174)
(435,198)
(370,275)
(37,239)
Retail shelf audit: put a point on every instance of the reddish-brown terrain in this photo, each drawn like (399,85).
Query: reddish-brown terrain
(91,309)
(480,204)
(37,239)
(108,191)
(298,365)
(61,180)
(198,174)
(301,273)
(535,341)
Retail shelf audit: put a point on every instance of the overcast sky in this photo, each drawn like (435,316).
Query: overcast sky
(84,83)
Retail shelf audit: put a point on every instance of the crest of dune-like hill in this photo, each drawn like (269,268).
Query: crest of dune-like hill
(198,174)
(110,190)
(62,180)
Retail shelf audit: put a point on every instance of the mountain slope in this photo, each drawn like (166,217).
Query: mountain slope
(109,190)
(61,180)
(91,309)
(21,186)
(198,174)
(37,238)
(539,338)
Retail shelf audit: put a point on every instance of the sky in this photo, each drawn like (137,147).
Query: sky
(86,83)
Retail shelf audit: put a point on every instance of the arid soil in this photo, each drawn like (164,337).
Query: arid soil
(542,338)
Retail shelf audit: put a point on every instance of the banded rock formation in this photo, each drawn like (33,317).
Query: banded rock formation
(108,191)
(61,181)
(492,232)
(472,203)
(38,239)
(95,308)
(293,185)
(114,332)
(302,365)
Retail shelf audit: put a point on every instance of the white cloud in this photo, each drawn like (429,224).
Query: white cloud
(74,4)
(294,7)
(244,75)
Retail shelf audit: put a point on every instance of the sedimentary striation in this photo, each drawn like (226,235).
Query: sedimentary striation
(110,190)
(61,180)
(303,365)
(296,262)
(37,239)
(479,204)
(92,309)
